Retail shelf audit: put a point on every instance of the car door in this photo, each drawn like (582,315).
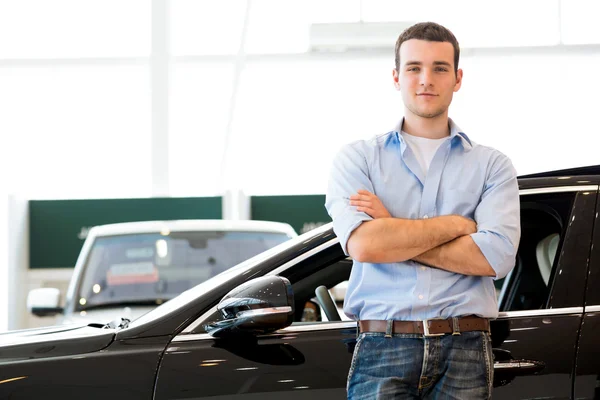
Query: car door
(541,300)
(305,360)
(587,374)
(534,338)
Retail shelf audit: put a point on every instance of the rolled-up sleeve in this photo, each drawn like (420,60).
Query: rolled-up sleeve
(349,173)
(498,217)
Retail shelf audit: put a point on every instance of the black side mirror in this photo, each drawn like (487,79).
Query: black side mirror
(259,306)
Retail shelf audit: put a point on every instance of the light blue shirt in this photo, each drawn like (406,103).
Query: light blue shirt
(464,178)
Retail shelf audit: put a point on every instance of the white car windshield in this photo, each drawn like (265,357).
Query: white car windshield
(150,268)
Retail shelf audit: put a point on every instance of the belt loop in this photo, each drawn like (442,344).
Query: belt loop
(357,329)
(389,330)
(455,327)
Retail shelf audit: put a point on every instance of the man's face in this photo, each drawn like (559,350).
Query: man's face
(426,78)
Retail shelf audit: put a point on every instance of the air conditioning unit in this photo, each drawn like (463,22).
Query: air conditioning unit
(356,36)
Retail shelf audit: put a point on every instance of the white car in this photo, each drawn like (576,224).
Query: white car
(127,269)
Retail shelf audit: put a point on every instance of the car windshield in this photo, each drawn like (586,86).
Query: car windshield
(151,268)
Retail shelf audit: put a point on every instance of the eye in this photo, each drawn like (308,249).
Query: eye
(441,69)
(413,69)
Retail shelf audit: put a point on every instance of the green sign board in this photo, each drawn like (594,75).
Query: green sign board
(302,212)
(57,228)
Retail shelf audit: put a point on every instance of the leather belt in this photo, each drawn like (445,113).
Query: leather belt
(428,327)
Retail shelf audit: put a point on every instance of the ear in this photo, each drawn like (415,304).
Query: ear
(459,78)
(396,78)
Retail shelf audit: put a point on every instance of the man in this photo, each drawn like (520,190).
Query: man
(431,219)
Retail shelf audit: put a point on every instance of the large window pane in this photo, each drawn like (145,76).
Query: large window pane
(283,26)
(200,99)
(534,108)
(77,132)
(201,27)
(580,21)
(277,27)
(292,117)
(74,28)
(503,23)
(331,11)
(477,23)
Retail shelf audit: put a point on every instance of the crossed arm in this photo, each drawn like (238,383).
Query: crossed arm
(443,242)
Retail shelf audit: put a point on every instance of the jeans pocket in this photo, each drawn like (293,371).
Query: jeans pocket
(359,341)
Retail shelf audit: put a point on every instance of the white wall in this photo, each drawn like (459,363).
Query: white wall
(17,251)
(42,278)
(16,279)
(4,272)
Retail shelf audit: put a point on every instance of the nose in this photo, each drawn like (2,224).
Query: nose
(426,77)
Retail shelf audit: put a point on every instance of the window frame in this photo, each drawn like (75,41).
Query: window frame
(562,221)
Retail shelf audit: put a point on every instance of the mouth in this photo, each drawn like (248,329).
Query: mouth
(426,94)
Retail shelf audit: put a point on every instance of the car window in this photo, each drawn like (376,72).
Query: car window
(153,268)
(333,276)
(328,267)
(544,223)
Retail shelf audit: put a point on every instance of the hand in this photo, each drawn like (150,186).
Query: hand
(370,204)
(467,225)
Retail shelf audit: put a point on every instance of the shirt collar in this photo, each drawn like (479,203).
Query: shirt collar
(454,132)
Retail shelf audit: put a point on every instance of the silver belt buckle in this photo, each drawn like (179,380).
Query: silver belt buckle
(426,332)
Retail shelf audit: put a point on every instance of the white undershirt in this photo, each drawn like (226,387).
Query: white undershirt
(423,148)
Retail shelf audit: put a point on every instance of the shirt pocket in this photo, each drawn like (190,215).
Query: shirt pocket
(458,201)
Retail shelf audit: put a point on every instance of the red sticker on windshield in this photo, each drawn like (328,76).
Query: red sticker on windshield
(131,273)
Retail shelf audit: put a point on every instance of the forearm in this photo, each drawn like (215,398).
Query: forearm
(460,255)
(386,240)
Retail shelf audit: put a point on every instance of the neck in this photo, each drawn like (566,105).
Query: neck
(430,128)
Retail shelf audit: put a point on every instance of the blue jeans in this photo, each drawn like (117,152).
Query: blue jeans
(408,366)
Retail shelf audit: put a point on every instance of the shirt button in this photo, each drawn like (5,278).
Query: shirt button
(425,216)
(423,268)
(420,297)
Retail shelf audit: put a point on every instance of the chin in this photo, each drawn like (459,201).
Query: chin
(430,114)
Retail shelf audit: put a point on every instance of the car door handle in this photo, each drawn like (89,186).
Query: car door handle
(519,367)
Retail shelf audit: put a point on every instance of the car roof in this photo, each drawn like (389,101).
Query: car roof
(580,176)
(577,171)
(125,228)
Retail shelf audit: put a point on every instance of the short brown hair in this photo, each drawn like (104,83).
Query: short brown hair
(431,32)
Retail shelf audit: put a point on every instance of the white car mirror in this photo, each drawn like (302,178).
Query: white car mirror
(44,302)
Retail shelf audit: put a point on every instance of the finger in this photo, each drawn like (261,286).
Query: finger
(359,197)
(361,204)
(362,191)
(367,210)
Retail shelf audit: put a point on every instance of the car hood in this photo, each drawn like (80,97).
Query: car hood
(105,315)
(53,341)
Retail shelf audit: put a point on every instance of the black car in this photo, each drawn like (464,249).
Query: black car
(254,331)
